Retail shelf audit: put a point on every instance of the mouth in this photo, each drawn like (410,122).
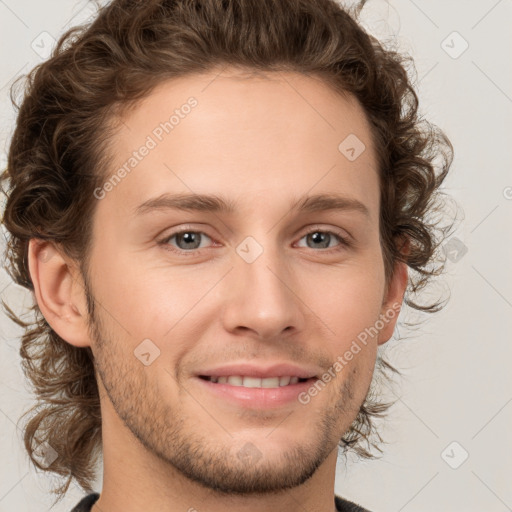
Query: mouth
(249,392)
(255,382)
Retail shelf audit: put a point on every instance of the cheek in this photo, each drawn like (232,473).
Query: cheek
(143,299)
(346,297)
(350,309)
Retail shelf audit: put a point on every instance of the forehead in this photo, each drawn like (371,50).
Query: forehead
(245,136)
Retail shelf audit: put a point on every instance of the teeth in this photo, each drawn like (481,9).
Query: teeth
(270,382)
(236,380)
(255,382)
(284,381)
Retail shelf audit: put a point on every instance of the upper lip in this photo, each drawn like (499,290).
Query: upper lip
(252,370)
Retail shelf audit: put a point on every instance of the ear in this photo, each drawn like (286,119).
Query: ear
(394,296)
(59,291)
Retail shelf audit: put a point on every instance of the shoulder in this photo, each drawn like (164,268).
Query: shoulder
(343,505)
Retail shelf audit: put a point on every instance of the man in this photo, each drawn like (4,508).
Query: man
(172,172)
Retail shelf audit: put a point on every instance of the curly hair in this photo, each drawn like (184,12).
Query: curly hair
(59,155)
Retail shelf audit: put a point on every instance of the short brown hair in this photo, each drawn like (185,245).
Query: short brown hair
(58,156)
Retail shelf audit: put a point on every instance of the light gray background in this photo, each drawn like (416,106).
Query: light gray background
(457,385)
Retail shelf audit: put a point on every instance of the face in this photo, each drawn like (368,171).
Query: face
(274,286)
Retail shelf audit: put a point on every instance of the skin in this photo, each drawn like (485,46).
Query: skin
(262,141)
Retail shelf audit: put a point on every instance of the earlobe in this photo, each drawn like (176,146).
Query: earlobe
(57,288)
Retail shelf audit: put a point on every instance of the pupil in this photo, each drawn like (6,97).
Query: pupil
(317,237)
(188,238)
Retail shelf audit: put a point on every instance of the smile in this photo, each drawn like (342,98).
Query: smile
(254,382)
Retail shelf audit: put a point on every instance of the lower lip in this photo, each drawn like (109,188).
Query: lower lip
(260,398)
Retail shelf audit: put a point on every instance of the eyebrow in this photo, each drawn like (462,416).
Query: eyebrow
(216,204)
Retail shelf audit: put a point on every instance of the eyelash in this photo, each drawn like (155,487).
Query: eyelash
(344,242)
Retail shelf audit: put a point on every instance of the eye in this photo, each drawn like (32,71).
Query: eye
(188,241)
(323,238)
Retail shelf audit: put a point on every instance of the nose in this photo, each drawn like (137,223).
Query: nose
(262,297)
